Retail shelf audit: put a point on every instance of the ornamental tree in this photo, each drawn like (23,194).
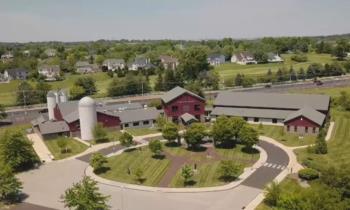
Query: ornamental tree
(126,139)
(85,195)
(194,134)
(170,131)
(97,162)
(249,137)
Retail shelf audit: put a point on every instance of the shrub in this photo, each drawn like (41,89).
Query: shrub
(308,174)
(299,58)
(97,162)
(229,170)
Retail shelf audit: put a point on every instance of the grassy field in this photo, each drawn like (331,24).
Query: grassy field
(333,92)
(74,147)
(288,139)
(153,169)
(229,70)
(142,131)
(21,127)
(207,173)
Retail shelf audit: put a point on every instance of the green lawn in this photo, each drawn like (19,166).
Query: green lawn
(142,131)
(229,70)
(333,92)
(74,147)
(207,173)
(153,169)
(288,139)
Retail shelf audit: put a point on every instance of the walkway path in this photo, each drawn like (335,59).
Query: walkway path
(40,147)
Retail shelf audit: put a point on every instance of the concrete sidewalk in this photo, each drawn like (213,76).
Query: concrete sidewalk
(40,148)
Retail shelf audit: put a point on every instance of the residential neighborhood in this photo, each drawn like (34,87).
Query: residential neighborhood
(168,105)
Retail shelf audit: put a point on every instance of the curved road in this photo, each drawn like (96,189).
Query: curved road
(44,186)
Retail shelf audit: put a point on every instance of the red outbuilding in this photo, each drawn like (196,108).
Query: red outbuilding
(183,106)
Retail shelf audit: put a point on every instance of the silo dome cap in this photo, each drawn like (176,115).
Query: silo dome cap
(87,101)
(51,94)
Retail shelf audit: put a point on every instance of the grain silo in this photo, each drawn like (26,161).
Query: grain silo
(51,104)
(88,117)
(63,96)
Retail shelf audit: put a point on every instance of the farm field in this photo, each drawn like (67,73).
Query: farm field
(230,70)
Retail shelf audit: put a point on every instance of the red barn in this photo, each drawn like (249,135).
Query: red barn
(183,106)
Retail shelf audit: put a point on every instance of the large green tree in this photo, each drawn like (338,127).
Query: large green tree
(10,186)
(193,61)
(88,84)
(195,134)
(222,132)
(85,195)
(248,136)
(170,131)
(16,150)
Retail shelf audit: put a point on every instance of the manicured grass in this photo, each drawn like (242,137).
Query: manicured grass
(331,91)
(288,139)
(230,70)
(207,173)
(154,169)
(74,147)
(338,146)
(142,131)
(21,127)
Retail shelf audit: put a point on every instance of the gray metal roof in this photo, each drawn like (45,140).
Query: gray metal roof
(272,100)
(188,118)
(249,112)
(122,106)
(176,92)
(52,127)
(136,115)
(40,119)
(113,61)
(308,113)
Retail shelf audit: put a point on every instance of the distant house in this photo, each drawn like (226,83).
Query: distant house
(16,74)
(183,106)
(243,58)
(50,72)
(26,53)
(8,56)
(274,58)
(141,63)
(4,76)
(50,52)
(113,64)
(216,59)
(85,67)
(169,62)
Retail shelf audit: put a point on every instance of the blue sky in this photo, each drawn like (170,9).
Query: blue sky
(74,20)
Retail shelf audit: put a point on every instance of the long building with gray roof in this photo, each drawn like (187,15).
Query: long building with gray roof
(301,113)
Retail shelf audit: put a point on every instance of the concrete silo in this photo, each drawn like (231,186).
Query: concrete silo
(63,96)
(51,104)
(88,117)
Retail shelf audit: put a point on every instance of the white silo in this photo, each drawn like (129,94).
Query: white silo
(88,117)
(57,97)
(51,104)
(63,96)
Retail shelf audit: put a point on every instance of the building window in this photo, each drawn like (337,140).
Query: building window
(174,108)
(314,130)
(186,108)
(146,122)
(306,129)
(154,121)
(256,119)
(274,120)
(126,125)
(175,120)
(295,128)
(288,128)
(197,107)
(136,124)
(245,118)
(198,117)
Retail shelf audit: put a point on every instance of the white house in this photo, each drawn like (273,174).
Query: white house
(169,62)
(8,56)
(243,58)
(141,63)
(85,67)
(50,52)
(274,58)
(113,64)
(50,72)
